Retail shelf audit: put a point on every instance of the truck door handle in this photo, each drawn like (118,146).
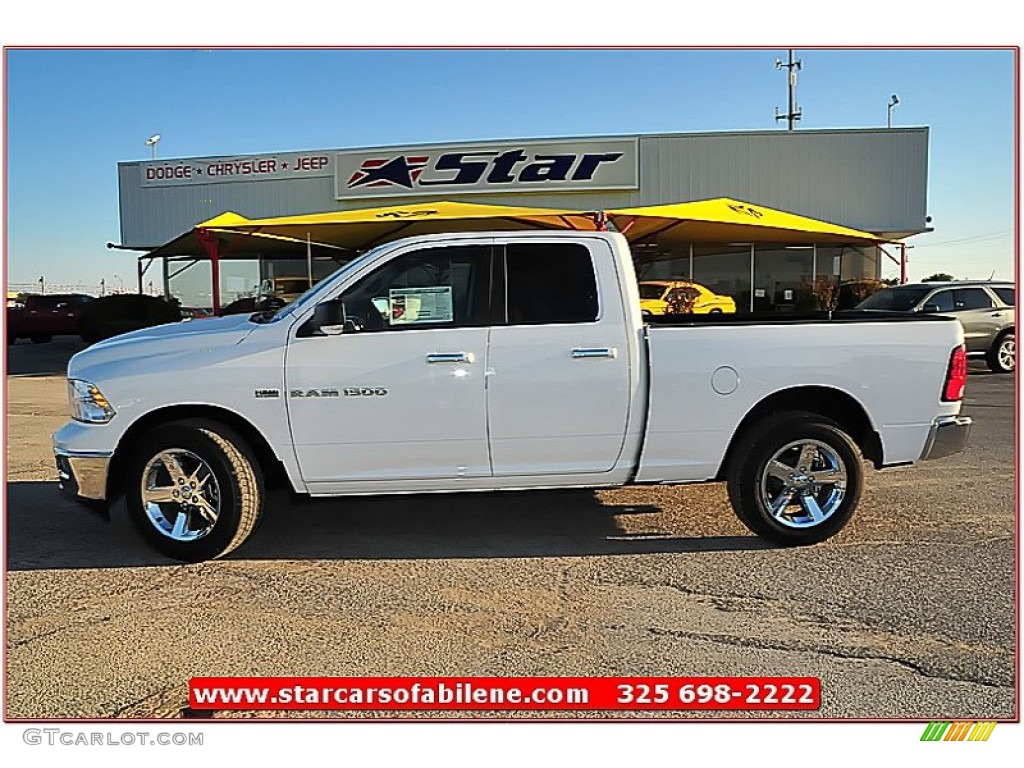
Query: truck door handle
(594,352)
(997,314)
(450,357)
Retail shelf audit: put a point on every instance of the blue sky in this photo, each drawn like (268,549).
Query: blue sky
(72,115)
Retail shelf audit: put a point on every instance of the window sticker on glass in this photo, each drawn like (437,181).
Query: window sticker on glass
(420,305)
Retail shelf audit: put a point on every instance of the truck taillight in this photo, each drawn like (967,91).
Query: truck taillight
(956,376)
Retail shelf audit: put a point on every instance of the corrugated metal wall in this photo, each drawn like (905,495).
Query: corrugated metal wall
(871,179)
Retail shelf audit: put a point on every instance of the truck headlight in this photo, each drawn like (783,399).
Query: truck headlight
(88,403)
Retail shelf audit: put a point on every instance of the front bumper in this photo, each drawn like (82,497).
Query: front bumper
(947,436)
(83,474)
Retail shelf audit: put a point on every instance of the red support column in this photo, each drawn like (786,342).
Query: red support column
(211,245)
(903,263)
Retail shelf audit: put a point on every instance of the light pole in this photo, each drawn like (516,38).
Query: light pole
(120,281)
(152,141)
(892,103)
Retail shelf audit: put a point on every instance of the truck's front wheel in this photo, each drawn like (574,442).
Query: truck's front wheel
(194,490)
(799,480)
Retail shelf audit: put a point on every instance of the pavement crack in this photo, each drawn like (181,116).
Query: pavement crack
(848,655)
(963,542)
(59,630)
(157,694)
(713,596)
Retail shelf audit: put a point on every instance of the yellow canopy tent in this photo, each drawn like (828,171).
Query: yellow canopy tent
(709,221)
(720,220)
(366,227)
(723,220)
(230,231)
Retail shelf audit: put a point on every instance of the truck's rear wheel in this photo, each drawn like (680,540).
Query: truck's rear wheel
(799,480)
(41,338)
(194,490)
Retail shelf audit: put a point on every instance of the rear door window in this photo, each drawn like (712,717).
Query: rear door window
(972,298)
(550,283)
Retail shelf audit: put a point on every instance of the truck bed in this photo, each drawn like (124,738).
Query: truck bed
(706,373)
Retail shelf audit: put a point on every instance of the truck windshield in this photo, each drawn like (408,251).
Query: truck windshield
(901,299)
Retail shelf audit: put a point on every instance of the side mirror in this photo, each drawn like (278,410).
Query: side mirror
(328,319)
(931,308)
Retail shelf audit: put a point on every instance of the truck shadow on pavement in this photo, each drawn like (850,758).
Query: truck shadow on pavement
(47,531)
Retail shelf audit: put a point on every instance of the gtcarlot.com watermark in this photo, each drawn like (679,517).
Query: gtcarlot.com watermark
(74,738)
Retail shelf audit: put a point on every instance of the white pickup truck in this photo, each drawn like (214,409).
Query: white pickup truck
(478,361)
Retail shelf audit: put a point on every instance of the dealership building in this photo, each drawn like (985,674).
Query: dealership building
(872,180)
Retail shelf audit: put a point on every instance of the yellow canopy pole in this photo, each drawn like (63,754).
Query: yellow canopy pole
(309,260)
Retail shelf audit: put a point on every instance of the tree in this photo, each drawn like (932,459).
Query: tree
(681,301)
(939,277)
(822,295)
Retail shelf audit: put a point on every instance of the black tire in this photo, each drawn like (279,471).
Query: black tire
(749,480)
(41,338)
(239,486)
(1002,357)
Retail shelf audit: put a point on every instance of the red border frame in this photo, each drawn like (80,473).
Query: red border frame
(624,720)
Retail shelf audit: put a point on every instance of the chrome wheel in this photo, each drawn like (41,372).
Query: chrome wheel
(1007,353)
(180,495)
(803,483)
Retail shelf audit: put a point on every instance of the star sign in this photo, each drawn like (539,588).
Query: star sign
(401,171)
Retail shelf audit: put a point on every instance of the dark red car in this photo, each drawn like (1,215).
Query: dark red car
(43,317)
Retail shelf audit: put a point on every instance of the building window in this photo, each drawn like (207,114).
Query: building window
(190,281)
(783,278)
(654,262)
(725,270)
(848,263)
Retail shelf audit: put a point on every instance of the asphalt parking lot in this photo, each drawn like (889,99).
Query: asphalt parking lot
(908,613)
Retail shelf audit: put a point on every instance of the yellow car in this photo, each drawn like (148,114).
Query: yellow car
(659,297)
